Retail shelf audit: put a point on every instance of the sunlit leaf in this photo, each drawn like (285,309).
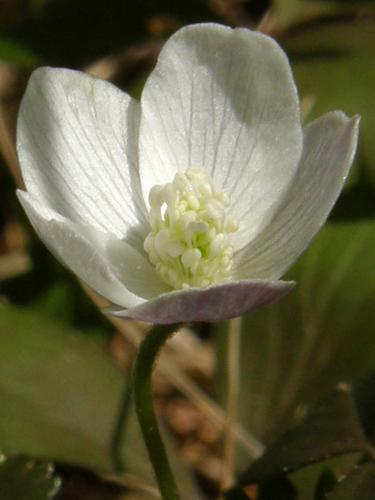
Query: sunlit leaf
(290,12)
(345,84)
(335,66)
(285,10)
(348,37)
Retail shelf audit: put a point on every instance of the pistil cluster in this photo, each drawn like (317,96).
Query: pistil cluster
(189,243)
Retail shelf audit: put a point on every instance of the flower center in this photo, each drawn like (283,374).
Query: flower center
(189,243)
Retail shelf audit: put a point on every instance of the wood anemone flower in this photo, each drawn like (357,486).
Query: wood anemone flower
(190,204)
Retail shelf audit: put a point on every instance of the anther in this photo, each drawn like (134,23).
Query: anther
(189,243)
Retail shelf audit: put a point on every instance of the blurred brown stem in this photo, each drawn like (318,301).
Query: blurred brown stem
(8,149)
(233,370)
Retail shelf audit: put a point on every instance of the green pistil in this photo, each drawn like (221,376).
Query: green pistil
(189,243)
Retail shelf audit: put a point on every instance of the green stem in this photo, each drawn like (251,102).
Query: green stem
(142,377)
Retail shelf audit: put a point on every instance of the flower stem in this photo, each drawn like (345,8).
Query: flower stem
(142,377)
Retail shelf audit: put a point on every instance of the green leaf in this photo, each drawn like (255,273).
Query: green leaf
(286,10)
(347,84)
(23,478)
(289,12)
(358,485)
(60,393)
(333,427)
(294,352)
(60,398)
(335,65)
(312,480)
(333,39)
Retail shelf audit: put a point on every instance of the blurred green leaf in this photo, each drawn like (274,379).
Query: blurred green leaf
(358,485)
(334,64)
(17,54)
(287,13)
(60,393)
(294,352)
(351,37)
(22,478)
(57,302)
(60,397)
(285,10)
(345,84)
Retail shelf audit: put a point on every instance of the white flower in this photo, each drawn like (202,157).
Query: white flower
(191,204)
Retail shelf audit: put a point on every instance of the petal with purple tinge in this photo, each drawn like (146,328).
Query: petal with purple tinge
(329,146)
(81,248)
(215,303)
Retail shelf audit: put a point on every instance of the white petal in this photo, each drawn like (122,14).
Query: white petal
(77,144)
(80,248)
(223,100)
(329,147)
(136,272)
(211,304)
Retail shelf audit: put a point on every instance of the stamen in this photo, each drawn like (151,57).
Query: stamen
(189,243)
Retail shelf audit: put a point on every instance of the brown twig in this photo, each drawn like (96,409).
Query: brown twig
(233,358)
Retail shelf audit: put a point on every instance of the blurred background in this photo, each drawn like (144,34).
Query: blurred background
(64,366)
